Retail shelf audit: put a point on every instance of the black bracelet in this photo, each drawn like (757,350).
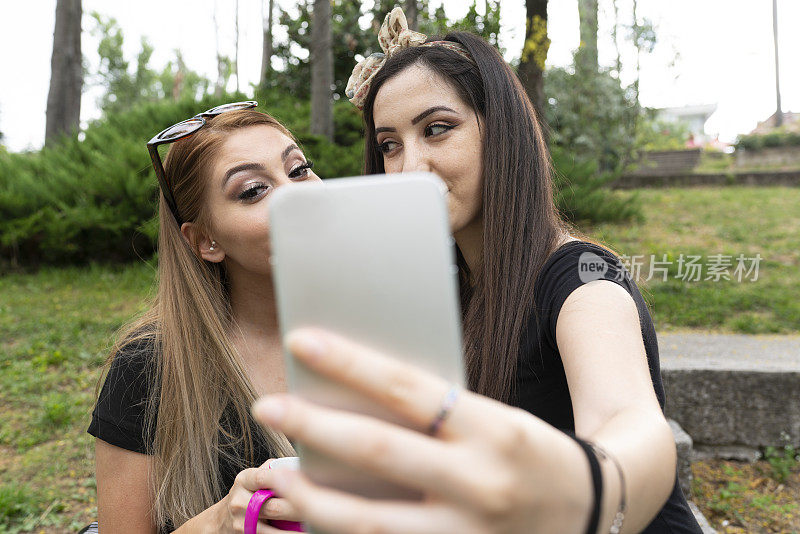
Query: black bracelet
(597,482)
(619,517)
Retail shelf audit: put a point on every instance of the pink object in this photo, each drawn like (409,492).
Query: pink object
(254,509)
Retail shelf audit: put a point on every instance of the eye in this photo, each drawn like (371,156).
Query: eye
(301,170)
(253,192)
(437,129)
(387,146)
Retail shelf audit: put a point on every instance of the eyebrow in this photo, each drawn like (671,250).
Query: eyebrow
(428,111)
(256,166)
(240,168)
(416,119)
(288,150)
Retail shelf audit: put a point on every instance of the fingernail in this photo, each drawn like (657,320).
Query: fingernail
(306,345)
(270,410)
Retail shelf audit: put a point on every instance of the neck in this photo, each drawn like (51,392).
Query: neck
(253,302)
(470,242)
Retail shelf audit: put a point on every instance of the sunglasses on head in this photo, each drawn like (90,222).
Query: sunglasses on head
(179,131)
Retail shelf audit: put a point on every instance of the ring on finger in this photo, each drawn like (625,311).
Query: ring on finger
(445,408)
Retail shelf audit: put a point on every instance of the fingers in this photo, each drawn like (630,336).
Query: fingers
(336,512)
(388,451)
(254,479)
(412,393)
(279,508)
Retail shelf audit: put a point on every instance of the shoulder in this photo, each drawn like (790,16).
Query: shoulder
(121,412)
(573,265)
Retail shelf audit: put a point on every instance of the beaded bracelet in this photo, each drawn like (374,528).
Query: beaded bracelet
(619,517)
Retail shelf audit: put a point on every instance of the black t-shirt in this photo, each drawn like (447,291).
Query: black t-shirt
(119,416)
(541,382)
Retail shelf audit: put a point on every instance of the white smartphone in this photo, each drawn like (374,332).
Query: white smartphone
(370,258)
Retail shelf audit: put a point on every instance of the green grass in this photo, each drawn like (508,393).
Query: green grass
(728,221)
(58,324)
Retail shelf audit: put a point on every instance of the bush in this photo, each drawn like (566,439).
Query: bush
(95,196)
(778,138)
(583,195)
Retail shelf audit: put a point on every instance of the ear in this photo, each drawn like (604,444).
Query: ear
(200,242)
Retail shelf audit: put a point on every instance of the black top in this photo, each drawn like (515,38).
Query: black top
(118,417)
(541,383)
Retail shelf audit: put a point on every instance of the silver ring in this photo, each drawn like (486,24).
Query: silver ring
(446,407)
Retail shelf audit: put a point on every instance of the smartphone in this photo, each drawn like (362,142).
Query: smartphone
(370,258)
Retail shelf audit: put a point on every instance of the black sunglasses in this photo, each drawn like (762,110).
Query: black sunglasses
(179,131)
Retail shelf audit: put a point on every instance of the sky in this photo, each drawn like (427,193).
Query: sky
(708,52)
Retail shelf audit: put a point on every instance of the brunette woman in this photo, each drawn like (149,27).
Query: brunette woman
(563,430)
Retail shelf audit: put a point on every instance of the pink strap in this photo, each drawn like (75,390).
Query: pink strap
(254,509)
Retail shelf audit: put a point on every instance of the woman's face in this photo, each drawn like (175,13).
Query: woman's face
(252,163)
(422,124)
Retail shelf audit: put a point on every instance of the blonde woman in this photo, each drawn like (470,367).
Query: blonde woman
(176,444)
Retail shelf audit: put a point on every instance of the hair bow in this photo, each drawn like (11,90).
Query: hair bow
(393,36)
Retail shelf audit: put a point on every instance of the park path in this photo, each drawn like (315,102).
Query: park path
(699,350)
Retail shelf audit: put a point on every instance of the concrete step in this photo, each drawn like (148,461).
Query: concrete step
(733,390)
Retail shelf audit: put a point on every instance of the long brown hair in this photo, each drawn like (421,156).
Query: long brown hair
(198,371)
(521,225)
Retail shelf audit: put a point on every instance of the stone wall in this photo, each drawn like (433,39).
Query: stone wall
(734,407)
(770,178)
(768,156)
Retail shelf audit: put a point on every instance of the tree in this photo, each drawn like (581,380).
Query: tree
(66,72)
(410,10)
(643,35)
(534,53)
(122,88)
(236,52)
(266,55)
(587,13)
(321,70)
(779,113)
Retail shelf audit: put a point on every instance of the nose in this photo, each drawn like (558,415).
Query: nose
(415,159)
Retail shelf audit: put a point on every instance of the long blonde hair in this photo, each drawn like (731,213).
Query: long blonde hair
(199,373)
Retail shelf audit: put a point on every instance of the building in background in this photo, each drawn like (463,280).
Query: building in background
(694,117)
(791,123)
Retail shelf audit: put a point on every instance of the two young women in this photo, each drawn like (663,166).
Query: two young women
(547,354)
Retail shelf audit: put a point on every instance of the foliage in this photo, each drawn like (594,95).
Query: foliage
(123,88)
(653,133)
(96,197)
(591,115)
(352,41)
(782,461)
(582,193)
(780,137)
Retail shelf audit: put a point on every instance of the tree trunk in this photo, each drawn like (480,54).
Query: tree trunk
(321,70)
(236,52)
(616,42)
(779,112)
(266,56)
(637,43)
(411,14)
(587,13)
(66,72)
(534,53)
(218,86)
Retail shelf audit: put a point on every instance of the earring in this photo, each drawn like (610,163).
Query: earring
(211,248)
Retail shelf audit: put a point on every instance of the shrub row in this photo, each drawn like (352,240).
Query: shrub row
(93,197)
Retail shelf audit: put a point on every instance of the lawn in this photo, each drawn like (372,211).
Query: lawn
(57,325)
